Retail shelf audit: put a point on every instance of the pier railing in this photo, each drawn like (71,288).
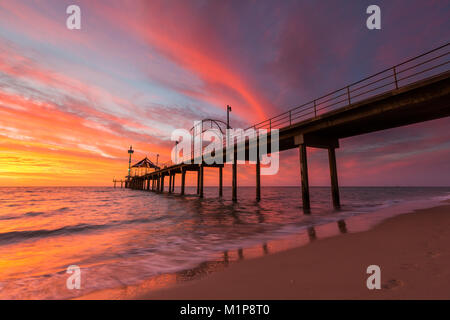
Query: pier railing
(423,66)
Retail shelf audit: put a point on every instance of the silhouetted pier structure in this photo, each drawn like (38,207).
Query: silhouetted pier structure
(413,91)
(122,182)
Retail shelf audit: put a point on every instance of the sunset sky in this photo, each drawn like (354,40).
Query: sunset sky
(73,101)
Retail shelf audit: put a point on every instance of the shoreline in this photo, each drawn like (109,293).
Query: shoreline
(172,286)
(411,250)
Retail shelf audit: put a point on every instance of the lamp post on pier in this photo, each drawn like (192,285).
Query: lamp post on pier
(130,152)
(234,175)
(228,122)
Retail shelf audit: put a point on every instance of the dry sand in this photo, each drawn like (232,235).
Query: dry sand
(412,250)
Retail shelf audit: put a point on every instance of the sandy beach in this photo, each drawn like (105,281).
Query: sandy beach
(412,251)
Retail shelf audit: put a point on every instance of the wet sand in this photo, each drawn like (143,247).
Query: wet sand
(412,250)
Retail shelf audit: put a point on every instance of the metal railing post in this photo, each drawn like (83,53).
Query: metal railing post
(395,77)
(348,95)
(315,109)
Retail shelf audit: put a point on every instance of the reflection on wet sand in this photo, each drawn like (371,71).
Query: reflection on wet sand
(223,260)
(265,248)
(205,268)
(342,226)
(312,234)
(230,256)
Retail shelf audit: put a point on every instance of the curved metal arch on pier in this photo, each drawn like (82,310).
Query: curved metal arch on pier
(216,122)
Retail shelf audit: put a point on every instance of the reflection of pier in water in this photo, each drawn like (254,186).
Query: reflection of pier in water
(231,256)
(224,260)
(207,267)
(312,235)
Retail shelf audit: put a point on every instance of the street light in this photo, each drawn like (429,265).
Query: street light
(228,123)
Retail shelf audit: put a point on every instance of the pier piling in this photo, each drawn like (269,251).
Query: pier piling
(234,178)
(334,178)
(258,174)
(201,174)
(170,182)
(183,180)
(198,180)
(304,177)
(220,181)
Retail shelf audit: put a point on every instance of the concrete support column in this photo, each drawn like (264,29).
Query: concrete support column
(334,178)
(162,183)
(173,182)
(304,177)
(202,179)
(220,181)
(183,180)
(258,173)
(198,180)
(170,182)
(234,182)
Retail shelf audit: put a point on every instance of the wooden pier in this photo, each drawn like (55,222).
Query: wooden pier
(414,91)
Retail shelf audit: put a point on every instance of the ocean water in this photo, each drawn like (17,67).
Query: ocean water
(121,237)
